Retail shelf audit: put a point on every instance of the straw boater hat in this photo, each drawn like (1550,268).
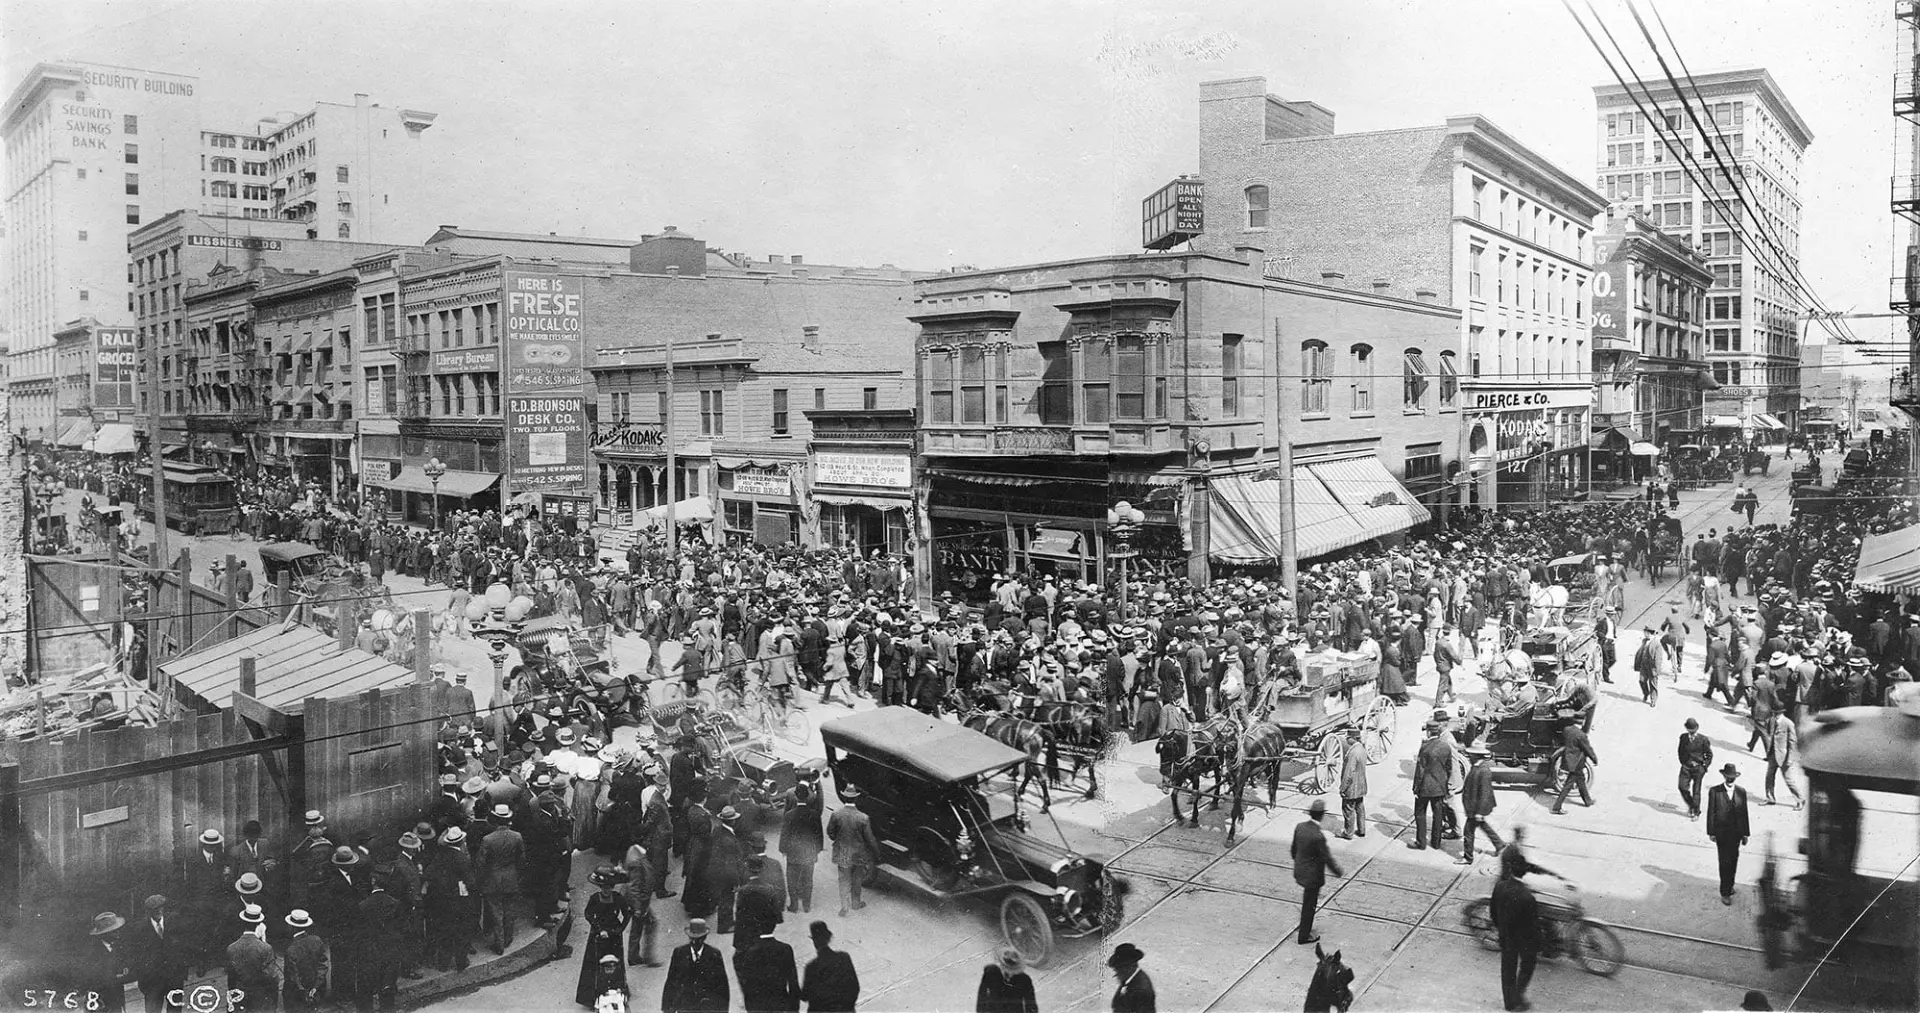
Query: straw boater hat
(299,919)
(453,835)
(314,818)
(253,915)
(211,839)
(248,884)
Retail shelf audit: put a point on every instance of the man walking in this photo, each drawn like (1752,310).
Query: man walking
(1353,787)
(831,984)
(1727,826)
(1516,916)
(1780,749)
(1478,802)
(1577,753)
(696,975)
(497,866)
(1432,769)
(1311,863)
(1696,758)
(855,849)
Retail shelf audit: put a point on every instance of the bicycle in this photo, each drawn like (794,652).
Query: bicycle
(766,709)
(1565,928)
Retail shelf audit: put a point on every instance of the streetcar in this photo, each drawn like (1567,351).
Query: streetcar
(200,497)
(1854,914)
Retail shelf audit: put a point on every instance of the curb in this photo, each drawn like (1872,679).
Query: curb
(531,954)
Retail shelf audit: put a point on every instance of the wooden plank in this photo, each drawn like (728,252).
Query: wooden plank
(272,722)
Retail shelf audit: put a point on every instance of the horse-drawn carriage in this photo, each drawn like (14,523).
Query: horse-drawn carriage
(1569,593)
(1337,689)
(327,591)
(944,835)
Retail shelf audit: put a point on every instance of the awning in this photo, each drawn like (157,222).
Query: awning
(1622,433)
(288,668)
(75,433)
(1890,562)
(980,479)
(731,463)
(1157,479)
(458,484)
(175,451)
(1644,450)
(1762,418)
(876,502)
(1377,500)
(1723,422)
(113,438)
(1055,542)
(697,508)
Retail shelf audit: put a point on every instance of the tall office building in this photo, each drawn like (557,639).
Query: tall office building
(93,152)
(1752,308)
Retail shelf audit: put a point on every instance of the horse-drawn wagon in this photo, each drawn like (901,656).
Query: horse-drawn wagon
(1337,689)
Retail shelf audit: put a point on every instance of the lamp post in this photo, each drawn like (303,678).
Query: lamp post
(498,617)
(45,489)
(1123,522)
(206,451)
(435,470)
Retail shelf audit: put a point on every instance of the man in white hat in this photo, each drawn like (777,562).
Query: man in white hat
(497,861)
(459,703)
(307,964)
(251,967)
(310,859)
(209,883)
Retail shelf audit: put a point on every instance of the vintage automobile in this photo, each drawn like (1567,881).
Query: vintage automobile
(324,589)
(945,834)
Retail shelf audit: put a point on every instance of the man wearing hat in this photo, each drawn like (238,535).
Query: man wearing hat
(448,897)
(160,953)
(1763,700)
(382,929)
(1696,758)
(497,862)
(769,978)
(251,967)
(696,976)
(1311,862)
(1477,802)
(310,859)
(106,964)
(1727,826)
(726,864)
(1135,994)
(459,703)
(759,905)
(306,965)
(209,882)
(1432,774)
(1353,787)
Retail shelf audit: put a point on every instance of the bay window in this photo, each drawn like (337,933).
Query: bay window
(1056,384)
(1096,382)
(1130,378)
(940,386)
(973,384)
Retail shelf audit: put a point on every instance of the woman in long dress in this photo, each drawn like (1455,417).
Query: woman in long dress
(607,916)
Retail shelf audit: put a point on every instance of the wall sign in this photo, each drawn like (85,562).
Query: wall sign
(884,471)
(105,817)
(1507,400)
(547,442)
(762,483)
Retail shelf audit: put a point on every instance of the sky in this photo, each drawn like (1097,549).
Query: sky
(988,133)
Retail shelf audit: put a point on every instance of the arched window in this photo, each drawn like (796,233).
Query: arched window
(1316,381)
(1449,380)
(1361,369)
(1256,206)
(1413,392)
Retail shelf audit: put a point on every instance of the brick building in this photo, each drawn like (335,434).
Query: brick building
(1648,344)
(1177,383)
(1460,209)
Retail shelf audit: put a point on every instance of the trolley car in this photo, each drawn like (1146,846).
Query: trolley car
(200,498)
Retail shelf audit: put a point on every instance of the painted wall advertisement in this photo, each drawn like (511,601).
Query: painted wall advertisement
(1610,284)
(547,442)
(114,366)
(545,368)
(883,471)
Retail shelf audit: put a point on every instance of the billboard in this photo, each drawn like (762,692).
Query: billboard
(1173,214)
(114,364)
(545,340)
(546,442)
(1611,281)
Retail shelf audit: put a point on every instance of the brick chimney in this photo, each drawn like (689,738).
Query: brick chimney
(1335,279)
(672,248)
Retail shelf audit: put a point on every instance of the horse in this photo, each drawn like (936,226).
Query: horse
(1027,736)
(1079,726)
(1263,744)
(1188,754)
(1331,987)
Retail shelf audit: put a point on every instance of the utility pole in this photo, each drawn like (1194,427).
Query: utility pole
(155,461)
(673,530)
(1283,464)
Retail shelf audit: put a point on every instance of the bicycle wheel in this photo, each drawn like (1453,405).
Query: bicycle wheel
(795,727)
(1477,917)
(727,698)
(1597,948)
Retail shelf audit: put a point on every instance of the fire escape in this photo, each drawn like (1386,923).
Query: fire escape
(1904,289)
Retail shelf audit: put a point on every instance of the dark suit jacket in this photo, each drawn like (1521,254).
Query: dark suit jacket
(1432,768)
(1516,916)
(1477,796)
(802,836)
(157,960)
(769,979)
(758,908)
(1311,859)
(696,986)
(1695,751)
(497,866)
(1135,995)
(832,985)
(1727,813)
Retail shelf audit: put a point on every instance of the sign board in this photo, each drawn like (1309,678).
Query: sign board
(762,483)
(105,817)
(115,366)
(546,441)
(1512,399)
(377,470)
(467,360)
(631,436)
(1174,214)
(1612,278)
(234,242)
(880,471)
(545,340)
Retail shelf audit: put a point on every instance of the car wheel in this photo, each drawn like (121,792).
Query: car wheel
(933,859)
(1026,927)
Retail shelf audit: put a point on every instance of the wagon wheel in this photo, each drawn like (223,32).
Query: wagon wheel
(1377,728)
(1328,758)
(932,858)
(1024,924)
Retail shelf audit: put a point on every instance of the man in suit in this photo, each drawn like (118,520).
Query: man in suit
(1432,770)
(1311,863)
(855,848)
(497,866)
(306,964)
(160,953)
(104,966)
(1577,753)
(726,865)
(769,978)
(382,928)
(831,984)
(1516,916)
(696,976)
(1696,758)
(1477,802)
(1353,787)
(251,966)
(1727,826)
(1763,701)
(208,887)
(759,906)
(801,841)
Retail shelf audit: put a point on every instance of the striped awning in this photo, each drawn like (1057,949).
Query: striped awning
(979,478)
(1890,562)
(1376,500)
(1335,504)
(1762,418)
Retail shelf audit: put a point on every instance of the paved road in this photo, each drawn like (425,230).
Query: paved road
(1216,923)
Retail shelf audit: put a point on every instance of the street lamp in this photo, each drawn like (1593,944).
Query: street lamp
(1123,522)
(45,489)
(206,451)
(435,470)
(497,619)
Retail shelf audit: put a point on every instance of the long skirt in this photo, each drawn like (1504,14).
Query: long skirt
(599,942)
